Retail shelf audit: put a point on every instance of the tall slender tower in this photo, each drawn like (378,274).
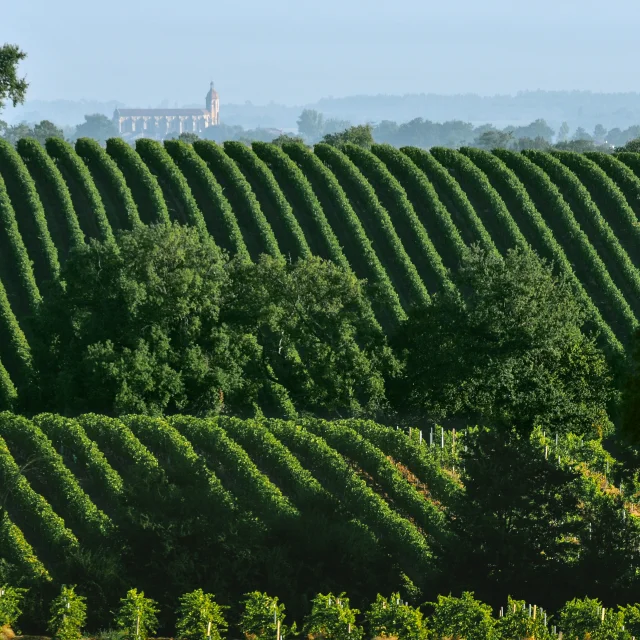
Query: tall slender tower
(213,105)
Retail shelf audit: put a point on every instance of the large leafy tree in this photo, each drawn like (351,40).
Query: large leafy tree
(162,322)
(517,520)
(361,135)
(98,127)
(12,87)
(505,347)
(311,124)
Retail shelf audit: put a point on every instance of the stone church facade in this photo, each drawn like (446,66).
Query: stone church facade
(158,123)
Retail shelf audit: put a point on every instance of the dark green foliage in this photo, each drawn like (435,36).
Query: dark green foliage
(411,231)
(121,209)
(30,216)
(380,228)
(350,233)
(144,186)
(150,360)
(360,135)
(258,235)
(221,222)
(86,198)
(12,87)
(182,205)
(258,336)
(273,202)
(507,350)
(54,194)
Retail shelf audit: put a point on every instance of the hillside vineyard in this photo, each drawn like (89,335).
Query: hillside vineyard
(399,218)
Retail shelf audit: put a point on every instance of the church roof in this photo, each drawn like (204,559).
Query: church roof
(160,112)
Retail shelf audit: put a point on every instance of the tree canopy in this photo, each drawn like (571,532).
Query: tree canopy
(12,87)
(506,347)
(163,322)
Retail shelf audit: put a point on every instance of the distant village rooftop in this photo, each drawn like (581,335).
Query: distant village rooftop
(158,123)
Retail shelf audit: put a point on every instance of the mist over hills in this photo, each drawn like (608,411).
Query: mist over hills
(578,108)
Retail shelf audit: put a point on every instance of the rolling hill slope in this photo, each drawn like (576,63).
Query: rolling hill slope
(399,218)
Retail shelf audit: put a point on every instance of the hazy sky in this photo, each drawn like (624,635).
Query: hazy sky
(297,51)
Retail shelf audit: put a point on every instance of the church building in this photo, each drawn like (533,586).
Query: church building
(158,123)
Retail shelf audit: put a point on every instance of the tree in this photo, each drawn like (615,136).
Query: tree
(318,338)
(563,132)
(188,137)
(528,143)
(505,348)
(581,134)
(393,618)
(332,618)
(361,135)
(11,87)
(335,125)
(633,146)
(285,138)
(45,130)
(311,124)
(200,334)
(463,617)
(167,351)
(515,534)
(68,615)
(494,140)
(599,134)
(200,617)
(98,127)
(137,616)
(16,132)
(578,146)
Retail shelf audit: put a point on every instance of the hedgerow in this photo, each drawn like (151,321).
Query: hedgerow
(486,200)
(410,230)
(426,203)
(294,184)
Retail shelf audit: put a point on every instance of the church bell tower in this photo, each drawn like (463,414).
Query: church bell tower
(213,105)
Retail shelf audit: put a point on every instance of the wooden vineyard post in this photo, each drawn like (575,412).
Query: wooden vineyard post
(209,630)
(138,626)
(278,631)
